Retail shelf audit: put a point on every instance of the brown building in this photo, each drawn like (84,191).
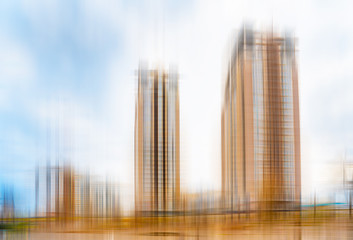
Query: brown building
(68,192)
(260,124)
(157,173)
(55,191)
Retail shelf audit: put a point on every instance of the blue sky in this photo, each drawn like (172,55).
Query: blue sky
(68,63)
(49,52)
(73,63)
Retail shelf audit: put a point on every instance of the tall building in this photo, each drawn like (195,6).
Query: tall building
(157,172)
(55,191)
(260,124)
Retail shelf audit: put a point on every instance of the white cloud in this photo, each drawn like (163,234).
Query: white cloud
(17,70)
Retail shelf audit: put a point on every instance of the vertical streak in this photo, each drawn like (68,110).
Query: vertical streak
(155,95)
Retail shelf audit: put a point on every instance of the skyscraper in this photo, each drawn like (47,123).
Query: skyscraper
(260,124)
(157,174)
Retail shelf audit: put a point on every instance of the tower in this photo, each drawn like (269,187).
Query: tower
(260,124)
(157,171)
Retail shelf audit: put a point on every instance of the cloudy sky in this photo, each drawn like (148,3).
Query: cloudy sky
(70,66)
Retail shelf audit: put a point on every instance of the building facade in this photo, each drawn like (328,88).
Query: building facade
(157,173)
(55,191)
(260,124)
